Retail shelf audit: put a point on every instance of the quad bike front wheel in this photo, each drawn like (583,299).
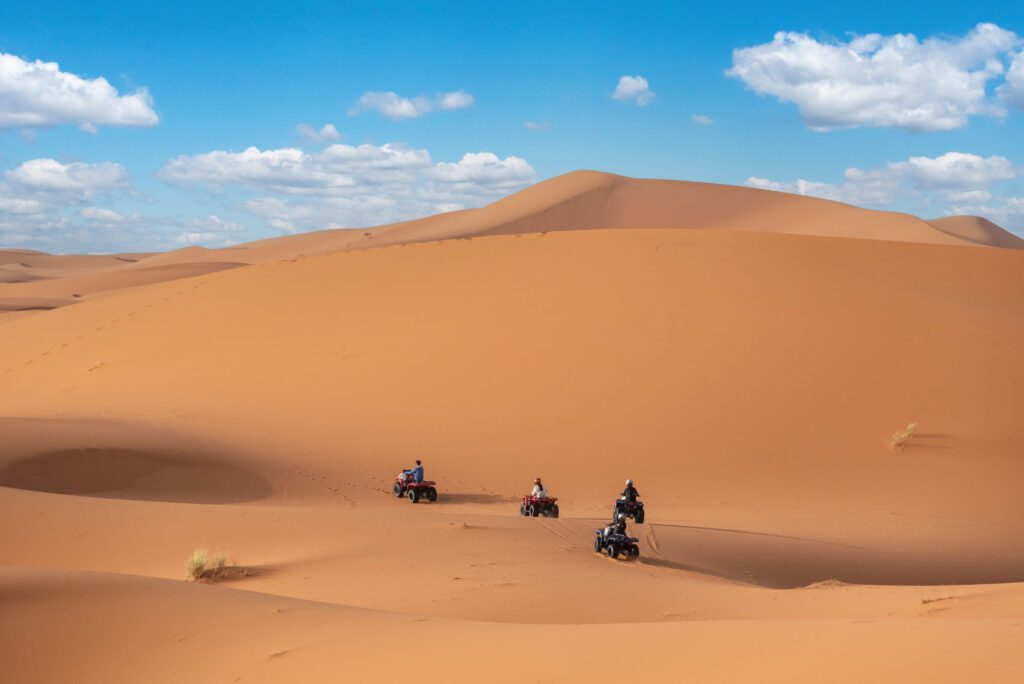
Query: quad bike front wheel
(533,511)
(397,489)
(598,546)
(522,510)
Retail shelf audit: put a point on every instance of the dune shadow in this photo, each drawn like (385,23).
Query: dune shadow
(457,498)
(789,562)
(112,473)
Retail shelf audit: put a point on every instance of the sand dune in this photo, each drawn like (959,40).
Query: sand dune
(748,378)
(582,200)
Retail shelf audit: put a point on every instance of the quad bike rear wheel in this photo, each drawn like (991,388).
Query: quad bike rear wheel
(554,511)
(639,516)
(431,494)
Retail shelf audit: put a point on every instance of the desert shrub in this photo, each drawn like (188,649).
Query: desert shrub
(201,567)
(901,437)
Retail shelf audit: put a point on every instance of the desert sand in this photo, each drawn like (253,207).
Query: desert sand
(743,355)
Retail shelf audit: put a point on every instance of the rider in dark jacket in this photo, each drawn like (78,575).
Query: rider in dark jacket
(629,493)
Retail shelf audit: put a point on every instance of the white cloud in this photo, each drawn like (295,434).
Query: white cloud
(881,81)
(327,133)
(702,120)
(209,231)
(101,215)
(460,99)
(348,185)
(46,204)
(76,180)
(392,106)
(39,95)
(536,125)
(634,88)
(1013,89)
(952,183)
(969,196)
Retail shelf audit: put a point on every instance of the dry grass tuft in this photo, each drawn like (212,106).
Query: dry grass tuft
(901,438)
(200,567)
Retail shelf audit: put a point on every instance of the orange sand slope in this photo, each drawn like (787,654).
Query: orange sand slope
(574,201)
(748,381)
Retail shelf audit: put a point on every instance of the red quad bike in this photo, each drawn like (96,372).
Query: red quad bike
(414,491)
(533,506)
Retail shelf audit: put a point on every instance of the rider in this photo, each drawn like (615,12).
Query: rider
(629,493)
(538,490)
(417,472)
(617,526)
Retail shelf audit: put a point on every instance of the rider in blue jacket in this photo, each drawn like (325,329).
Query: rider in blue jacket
(417,472)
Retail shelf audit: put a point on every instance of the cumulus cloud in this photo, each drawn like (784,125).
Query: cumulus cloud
(634,88)
(46,204)
(74,181)
(1012,90)
(952,183)
(293,190)
(39,95)
(896,81)
(327,133)
(392,106)
(702,120)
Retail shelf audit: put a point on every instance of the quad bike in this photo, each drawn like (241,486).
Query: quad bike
(406,486)
(533,506)
(616,543)
(631,509)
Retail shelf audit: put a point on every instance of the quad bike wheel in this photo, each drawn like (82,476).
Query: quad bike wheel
(522,510)
(432,494)
(613,551)
(598,545)
(554,511)
(414,495)
(639,516)
(634,552)
(397,489)
(533,511)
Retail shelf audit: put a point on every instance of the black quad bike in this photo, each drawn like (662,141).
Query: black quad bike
(615,544)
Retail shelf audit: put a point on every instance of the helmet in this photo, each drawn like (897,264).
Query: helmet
(629,482)
(622,517)
(536,480)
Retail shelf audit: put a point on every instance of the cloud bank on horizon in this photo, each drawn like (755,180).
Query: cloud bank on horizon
(926,86)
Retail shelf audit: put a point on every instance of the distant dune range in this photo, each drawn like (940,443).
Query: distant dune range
(747,372)
(582,200)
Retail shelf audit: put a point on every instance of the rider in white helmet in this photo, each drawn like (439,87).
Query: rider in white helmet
(630,493)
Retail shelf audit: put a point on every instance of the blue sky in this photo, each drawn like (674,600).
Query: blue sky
(933,126)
